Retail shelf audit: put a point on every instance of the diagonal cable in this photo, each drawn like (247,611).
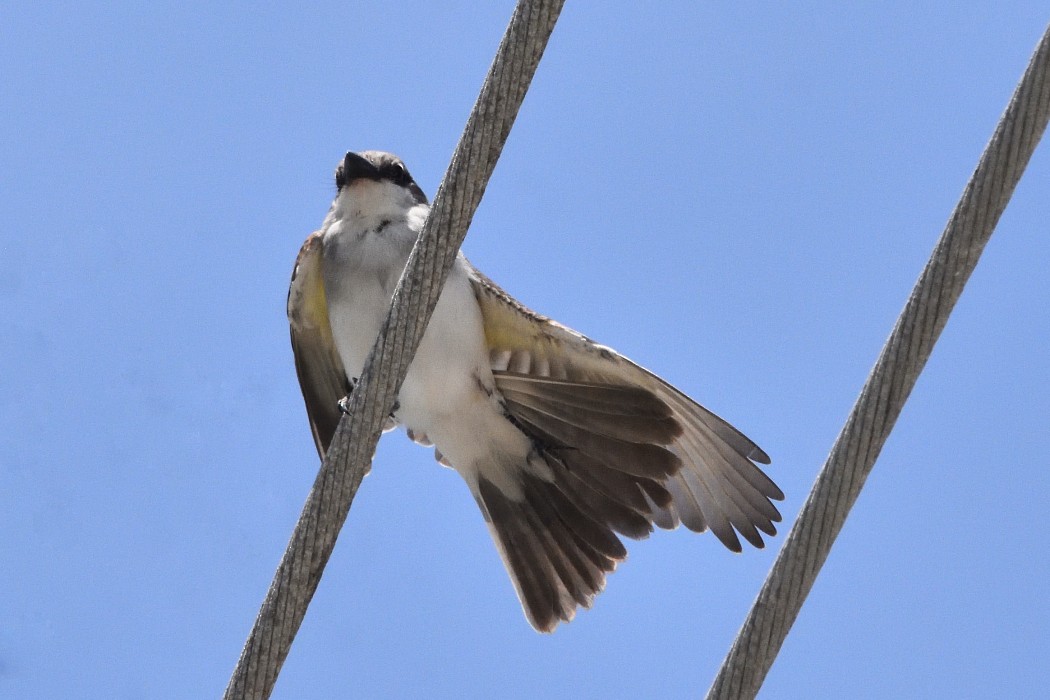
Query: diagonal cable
(355,440)
(889,384)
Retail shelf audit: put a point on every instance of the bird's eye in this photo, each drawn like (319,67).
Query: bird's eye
(398,173)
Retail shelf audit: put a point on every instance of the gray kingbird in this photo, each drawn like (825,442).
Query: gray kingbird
(563,442)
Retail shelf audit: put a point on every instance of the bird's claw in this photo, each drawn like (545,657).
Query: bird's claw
(344,403)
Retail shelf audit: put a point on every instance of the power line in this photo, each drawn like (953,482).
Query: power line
(891,380)
(355,440)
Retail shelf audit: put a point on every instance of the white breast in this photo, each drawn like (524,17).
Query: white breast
(448,392)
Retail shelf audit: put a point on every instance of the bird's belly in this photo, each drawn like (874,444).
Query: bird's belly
(448,393)
(450,368)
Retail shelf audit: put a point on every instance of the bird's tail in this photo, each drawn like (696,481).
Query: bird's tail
(611,459)
(556,550)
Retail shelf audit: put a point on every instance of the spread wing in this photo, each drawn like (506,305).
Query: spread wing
(638,450)
(321,375)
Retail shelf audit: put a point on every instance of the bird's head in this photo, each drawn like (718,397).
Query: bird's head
(374,187)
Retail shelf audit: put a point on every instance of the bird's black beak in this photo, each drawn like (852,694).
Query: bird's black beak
(355,167)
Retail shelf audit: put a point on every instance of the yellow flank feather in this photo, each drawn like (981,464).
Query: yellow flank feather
(308,303)
(317,302)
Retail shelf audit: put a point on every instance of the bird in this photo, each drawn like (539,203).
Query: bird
(565,444)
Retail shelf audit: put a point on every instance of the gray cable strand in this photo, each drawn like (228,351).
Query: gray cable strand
(354,444)
(891,380)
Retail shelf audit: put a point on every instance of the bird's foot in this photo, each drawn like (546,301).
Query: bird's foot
(344,406)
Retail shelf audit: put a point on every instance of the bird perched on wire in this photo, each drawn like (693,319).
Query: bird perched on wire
(563,442)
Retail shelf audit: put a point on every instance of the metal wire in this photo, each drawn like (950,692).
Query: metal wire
(891,380)
(355,440)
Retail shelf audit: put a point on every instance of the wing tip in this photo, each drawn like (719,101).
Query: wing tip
(757,454)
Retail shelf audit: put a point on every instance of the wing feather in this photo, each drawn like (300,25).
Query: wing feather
(584,401)
(321,375)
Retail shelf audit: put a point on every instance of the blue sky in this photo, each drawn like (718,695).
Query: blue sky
(738,197)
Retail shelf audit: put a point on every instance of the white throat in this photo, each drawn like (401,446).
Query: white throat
(370,206)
